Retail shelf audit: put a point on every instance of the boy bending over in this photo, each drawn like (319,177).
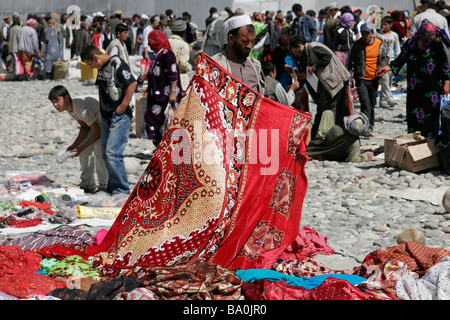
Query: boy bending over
(87,145)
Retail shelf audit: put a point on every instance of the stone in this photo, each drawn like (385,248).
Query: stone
(446,200)
(380,228)
(411,234)
(132,165)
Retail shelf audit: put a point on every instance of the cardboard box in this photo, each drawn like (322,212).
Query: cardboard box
(411,152)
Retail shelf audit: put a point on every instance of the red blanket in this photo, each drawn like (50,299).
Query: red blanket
(226,183)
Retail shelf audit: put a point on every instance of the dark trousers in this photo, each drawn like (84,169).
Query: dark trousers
(326,102)
(367,92)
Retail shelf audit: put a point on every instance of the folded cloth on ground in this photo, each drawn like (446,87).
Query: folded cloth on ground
(433,285)
(25,223)
(418,259)
(14,260)
(330,289)
(45,238)
(103,290)
(73,266)
(308,243)
(4,296)
(250,275)
(28,283)
(304,268)
(197,281)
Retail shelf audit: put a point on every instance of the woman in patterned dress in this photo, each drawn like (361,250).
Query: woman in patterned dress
(164,86)
(428,77)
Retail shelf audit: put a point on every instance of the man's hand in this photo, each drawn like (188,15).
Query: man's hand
(382,71)
(294,86)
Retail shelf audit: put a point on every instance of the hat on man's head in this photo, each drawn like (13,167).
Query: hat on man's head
(238,21)
(366,27)
(118,12)
(4,18)
(333,6)
(155,18)
(178,25)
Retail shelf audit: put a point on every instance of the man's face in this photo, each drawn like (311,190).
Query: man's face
(243,42)
(367,36)
(59,104)
(297,50)
(386,26)
(122,36)
(94,63)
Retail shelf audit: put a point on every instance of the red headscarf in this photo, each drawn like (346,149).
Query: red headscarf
(157,40)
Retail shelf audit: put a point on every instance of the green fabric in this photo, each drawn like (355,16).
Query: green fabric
(47,263)
(72,266)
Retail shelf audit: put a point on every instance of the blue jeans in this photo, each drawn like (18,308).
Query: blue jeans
(115,132)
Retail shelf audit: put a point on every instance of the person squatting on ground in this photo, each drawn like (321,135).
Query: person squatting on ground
(87,145)
(116,85)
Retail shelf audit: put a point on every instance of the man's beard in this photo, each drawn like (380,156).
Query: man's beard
(239,51)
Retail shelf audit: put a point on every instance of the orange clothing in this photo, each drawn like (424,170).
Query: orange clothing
(372,59)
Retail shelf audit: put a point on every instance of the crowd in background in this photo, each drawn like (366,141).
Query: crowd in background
(47,37)
(29,48)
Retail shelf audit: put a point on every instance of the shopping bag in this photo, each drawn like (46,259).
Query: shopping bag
(169,113)
(349,106)
(19,70)
(145,67)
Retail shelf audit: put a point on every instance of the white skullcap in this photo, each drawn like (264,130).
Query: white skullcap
(238,21)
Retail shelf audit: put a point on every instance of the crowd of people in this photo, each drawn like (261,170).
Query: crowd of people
(335,57)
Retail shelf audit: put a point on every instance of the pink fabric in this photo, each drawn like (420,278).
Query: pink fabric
(98,238)
(330,289)
(307,244)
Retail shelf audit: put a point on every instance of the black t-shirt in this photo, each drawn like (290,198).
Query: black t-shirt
(113,80)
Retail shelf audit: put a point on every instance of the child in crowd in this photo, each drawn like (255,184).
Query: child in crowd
(87,145)
(116,86)
(275,90)
(391,39)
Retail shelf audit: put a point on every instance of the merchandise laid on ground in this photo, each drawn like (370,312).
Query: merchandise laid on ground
(204,222)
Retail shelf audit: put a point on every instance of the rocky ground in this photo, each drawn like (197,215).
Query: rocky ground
(358,207)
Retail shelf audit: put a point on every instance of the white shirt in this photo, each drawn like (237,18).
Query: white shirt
(145,34)
(435,18)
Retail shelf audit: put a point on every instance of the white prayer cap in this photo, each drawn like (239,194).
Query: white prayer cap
(238,21)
